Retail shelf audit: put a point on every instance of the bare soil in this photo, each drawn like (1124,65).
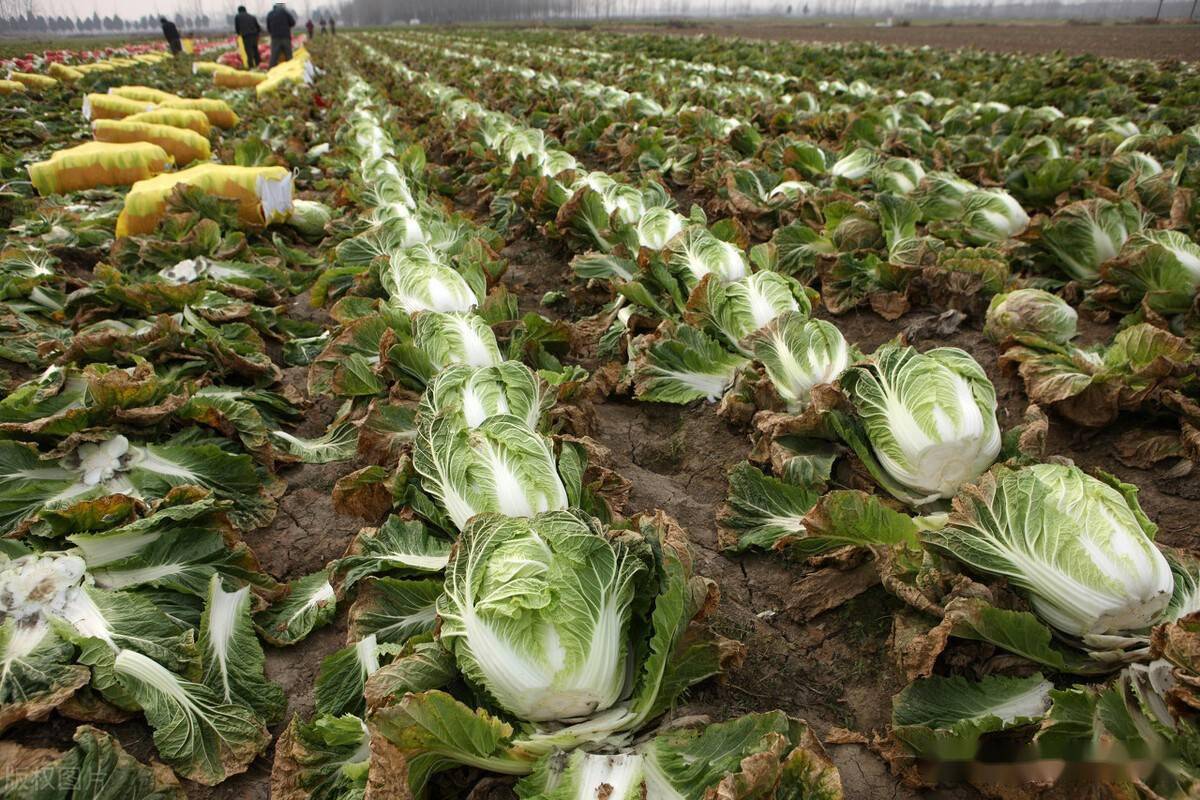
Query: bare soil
(1157,42)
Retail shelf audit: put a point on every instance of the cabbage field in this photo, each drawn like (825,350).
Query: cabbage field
(546,414)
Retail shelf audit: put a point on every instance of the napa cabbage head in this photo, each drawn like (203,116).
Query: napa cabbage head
(477,393)
(658,226)
(309,218)
(854,166)
(800,353)
(1078,547)
(899,175)
(537,613)
(1159,268)
(1084,235)
(697,252)
(943,195)
(930,419)
(992,215)
(499,465)
(739,308)
(1024,313)
(417,279)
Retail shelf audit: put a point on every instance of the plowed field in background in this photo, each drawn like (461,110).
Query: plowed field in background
(1178,41)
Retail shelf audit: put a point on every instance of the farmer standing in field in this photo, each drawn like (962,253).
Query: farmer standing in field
(246,26)
(308,26)
(279,24)
(172,35)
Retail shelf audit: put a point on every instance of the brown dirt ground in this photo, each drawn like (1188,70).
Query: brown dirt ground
(1167,41)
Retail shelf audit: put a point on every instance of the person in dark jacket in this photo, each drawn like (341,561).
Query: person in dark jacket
(308,26)
(172,35)
(323,26)
(246,26)
(332,26)
(279,24)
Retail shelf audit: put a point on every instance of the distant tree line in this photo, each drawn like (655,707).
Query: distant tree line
(38,23)
(384,12)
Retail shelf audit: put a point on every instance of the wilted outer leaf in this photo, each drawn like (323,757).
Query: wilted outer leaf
(37,672)
(339,443)
(943,718)
(398,546)
(232,657)
(97,767)
(427,666)
(433,732)
(762,511)
(326,759)
(200,736)
(365,493)
(394,609)
(343,675)
(309,604)
(681,364)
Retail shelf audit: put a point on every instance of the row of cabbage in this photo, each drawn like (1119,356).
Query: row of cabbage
(140,432)
(1076,548)
(681,264)
(563,629)
(874,251)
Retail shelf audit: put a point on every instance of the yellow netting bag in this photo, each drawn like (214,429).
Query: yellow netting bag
(237,78)
(264,194)
(111,106)
(64,73)
(187,118)
(183,145)
(218,111)
(288,72)
(96,66)
(147,94)
(35,82)
(98,164)
(207,67)
(11,87)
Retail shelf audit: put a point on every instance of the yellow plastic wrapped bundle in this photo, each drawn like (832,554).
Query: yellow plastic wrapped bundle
(218,111)
(37,83)
(149,58)
(187,118)
(237,78)
(147,94)
(183,145)
(111,106)
(288,72)
(64,73)
(97,66)
(98,164)
(121,62)
(11,87)
(264,194)
(208,67)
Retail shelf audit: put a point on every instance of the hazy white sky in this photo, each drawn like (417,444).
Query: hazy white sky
(216,9)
